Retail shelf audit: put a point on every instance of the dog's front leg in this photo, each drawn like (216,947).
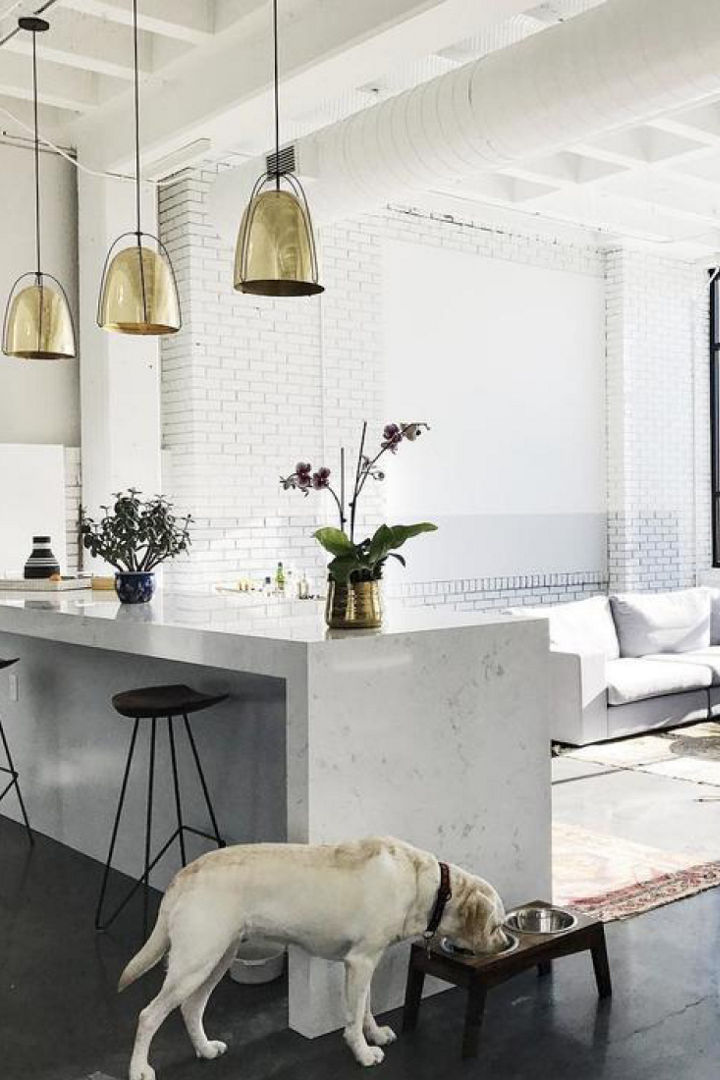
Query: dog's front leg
(374,1033)
(359,969)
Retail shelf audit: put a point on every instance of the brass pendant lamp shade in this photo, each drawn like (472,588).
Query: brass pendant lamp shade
(38,324)
(138,293)
(275,253)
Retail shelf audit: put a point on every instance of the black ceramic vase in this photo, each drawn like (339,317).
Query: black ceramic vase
(42,563)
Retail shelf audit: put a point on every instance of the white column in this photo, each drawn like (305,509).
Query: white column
(119,373)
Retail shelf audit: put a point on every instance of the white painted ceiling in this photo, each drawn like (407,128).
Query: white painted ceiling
(206,66)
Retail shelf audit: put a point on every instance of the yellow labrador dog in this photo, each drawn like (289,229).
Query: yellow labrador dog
(342,902)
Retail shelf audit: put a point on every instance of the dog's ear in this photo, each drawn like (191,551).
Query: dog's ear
(477,913)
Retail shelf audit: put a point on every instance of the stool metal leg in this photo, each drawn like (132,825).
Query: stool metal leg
(206,793)
(148,825)
(116,825)
(178,806)
(14,782)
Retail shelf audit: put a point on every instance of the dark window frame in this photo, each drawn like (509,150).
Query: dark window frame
(715,412)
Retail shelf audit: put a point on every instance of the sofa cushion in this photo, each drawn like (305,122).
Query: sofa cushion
(673,622)
(710,658)
(633,679)
(580,626)
(714,595)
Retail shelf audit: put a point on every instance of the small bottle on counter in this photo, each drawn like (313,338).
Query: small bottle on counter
(280,578)
(303,590)
(267,588)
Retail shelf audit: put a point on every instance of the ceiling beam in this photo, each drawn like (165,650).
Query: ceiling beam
(58,84)
(53,122)
(191,21)
(222,91)
(85,42)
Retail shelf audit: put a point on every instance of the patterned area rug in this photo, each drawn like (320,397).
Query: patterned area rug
(690,753)
(611,878)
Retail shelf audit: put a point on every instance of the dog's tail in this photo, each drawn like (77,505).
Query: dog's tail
(151,953)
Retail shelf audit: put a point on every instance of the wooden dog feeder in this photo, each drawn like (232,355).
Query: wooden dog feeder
(477,974)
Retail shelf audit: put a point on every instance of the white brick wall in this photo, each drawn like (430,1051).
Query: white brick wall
(251,385)
(72,507)
(658,449)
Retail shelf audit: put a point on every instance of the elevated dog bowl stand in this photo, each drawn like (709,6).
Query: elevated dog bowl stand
(477,974)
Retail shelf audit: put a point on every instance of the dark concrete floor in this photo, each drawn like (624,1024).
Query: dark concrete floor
(61,1019)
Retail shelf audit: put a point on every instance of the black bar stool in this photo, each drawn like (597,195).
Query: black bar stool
(10,769)
(153,703)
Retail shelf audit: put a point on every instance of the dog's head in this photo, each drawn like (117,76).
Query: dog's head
(475,918)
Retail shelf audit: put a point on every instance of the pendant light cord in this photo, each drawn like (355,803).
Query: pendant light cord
(37,154)
(277,96)
(137,114)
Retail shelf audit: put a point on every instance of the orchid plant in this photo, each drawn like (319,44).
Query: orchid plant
(364,560)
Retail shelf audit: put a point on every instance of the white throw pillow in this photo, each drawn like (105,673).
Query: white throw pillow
(581,626)
(671,622)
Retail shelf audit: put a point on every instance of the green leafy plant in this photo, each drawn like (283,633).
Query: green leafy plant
(136,535)
(363,561)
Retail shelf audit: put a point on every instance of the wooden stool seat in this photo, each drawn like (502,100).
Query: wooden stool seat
(477,974)
(154,701)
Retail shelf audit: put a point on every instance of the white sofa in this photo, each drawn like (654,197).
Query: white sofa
(632,662)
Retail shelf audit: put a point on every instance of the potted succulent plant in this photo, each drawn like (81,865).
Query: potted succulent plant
(135,535)
(356,568)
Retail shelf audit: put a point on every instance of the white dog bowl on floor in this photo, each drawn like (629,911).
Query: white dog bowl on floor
(258,961)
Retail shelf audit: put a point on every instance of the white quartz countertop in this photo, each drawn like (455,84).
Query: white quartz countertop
(202,627)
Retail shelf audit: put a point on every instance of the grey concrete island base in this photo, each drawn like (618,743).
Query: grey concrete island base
(434,729)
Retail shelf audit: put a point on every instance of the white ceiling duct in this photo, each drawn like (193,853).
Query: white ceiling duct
(621,63)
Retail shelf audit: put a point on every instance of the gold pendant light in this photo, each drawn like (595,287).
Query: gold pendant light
(138,294)
(275,253)
(38,324)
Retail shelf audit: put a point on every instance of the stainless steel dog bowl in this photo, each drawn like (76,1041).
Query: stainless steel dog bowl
(448,946)
(533,919)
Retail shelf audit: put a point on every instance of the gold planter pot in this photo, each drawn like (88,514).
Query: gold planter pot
(355,606)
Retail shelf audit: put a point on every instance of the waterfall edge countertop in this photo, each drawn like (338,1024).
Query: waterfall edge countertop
(434,729)
(212,628)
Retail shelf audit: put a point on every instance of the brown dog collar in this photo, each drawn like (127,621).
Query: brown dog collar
(444,894)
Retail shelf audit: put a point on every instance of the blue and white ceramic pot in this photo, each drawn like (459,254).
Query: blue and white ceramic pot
(135,587)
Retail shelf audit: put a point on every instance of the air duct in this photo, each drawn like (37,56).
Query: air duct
(616,65)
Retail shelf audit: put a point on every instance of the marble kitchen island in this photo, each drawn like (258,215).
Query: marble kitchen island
(433,729)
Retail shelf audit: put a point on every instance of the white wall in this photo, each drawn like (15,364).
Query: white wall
(250,386)
(507,361)
(39,400)
(33,492)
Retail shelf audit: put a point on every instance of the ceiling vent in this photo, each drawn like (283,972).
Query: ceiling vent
(282,163)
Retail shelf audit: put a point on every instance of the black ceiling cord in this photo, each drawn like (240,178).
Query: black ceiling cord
(277,97)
